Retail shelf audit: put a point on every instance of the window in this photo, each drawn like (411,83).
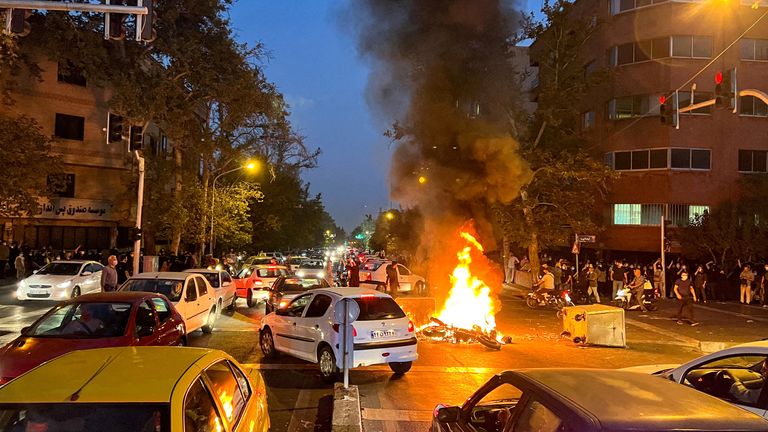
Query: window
(402,270)
(378,308)
(682,214)
(641,51)
(588,120)
(590,68)
(191,290)
(297,306)
(62,185)
(690,159)
(202,287)
(318,307)
(700,159)
(747,371)
(69,127)
(225,277)
(692,46)
(625,54)
(242,381)
(226,389)
(698,97)
(618,6)
(640,159)
(200,411)
(681,158)
(754,49)
(162,309)
(537,417)
(637,214)
(658,158)
(660,48)
(145,318)
(70,74)
(628,107)
(752,161)
(622,161)
(752,106)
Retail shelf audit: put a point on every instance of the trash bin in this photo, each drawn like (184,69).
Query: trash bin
(595,325)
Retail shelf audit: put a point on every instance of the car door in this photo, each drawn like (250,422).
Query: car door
(404,277)
(225,284)
(145,325)
(286,324)
(309,329)
(192,315)
(83,279)
(96,270)
(201,412)
(226,389)
(168,332)
(206,294)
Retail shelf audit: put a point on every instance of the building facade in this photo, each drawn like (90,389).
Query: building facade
(650,49)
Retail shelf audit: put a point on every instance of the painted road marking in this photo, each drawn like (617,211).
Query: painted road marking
(392,415)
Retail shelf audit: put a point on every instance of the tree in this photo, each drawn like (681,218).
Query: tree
(394,232)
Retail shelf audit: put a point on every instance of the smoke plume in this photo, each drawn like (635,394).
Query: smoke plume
(441,73)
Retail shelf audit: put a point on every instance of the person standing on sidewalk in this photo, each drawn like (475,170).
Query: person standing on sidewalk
(700,283)
(18,264)
(686,296)
(618,277)
(591,278)
(745,283)
(764,287)
(109,275)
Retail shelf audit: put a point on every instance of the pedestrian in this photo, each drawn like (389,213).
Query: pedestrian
(686,295)
(557,272)
(5,252)
(764,287)
(745,283)
(658,279)
(109,275)
(353,272)
(618,277)
(392,279)
(19,265)
(700,283)
(602,280)
(591,278)
(637,287)
(122,268)
(512,268)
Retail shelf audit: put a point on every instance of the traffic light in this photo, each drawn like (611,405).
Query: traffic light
(17,22)
(134,234)
(137,138)
(725,89)
(115,129)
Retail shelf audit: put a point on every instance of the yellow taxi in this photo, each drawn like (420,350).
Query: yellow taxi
(136,389)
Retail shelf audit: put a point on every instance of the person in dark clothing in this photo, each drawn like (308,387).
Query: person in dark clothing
(392,279)
(353,273)
(123,271)
(13,252)
(686,296)
(700,283)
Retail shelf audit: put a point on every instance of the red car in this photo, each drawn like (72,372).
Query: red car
(254,282)
(98,320)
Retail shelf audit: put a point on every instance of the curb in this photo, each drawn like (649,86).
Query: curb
(347,416)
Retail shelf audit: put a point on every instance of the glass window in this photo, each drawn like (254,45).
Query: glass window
(168,287)
(660,48)
(378,308)
(625,5)
(145,318)
(319,306)
(84,320)
(682,46)
(747,49)
(608,159)
(85,417)
(650,214)
(213,279)
(623,108)
(622,161)
(60,269)
(761,49)
(758,161)
(69,127)
(695,211)
(588,120)
(643,51)
(504,392)
(752,106)
(200,414)
(202,287)
(745,370)
(403,271)
(162,309)
(226,389)
(191,290)
(70,74)
(702,47)
(625,54)
(640,159)
(681,158)
(242,381)
(700,159)
(626,214)
(61,185)
(745,160)
(537,417)
(658,158)
(297,306)
(225,277)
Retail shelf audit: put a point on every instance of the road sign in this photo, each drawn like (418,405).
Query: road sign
(586,238)
(352,308)
(346,312)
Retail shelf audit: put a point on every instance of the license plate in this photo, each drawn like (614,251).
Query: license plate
(38,291)
(377,334)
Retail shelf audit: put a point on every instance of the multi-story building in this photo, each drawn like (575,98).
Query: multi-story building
(652,48)
(98,204)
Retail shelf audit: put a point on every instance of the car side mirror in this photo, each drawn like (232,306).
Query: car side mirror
(86,273)
(449,414)
(25,330)
(35,271)
(146,331)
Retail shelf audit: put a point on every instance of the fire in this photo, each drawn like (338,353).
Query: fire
(470,302)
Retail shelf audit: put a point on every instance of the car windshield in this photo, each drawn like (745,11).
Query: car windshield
(60,269)
(376,308)
(268,272)
(170,288)
(301,284)
(83,321)
(79,417)
(311,265)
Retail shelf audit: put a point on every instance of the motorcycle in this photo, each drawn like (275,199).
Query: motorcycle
(624,299)
(557,300)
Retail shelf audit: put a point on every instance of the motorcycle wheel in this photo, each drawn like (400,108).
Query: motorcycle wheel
(489,342)
(532,302)
(559,314)
(652,307)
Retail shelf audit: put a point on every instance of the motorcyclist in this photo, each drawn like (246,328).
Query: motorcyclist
(546,285)
(637,287)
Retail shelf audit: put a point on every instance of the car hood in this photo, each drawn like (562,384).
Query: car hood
(47,279)
(651,369)
(25,353)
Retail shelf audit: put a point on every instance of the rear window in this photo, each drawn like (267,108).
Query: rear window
(83,417)
(377,308)
(268,273)
(311,265)
(372,265)
(170,288)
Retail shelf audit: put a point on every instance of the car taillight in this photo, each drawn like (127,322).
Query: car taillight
(336,328)
(410,327)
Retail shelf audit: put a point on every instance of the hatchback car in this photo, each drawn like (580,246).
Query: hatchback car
(93,321)
(312,269)
(253,282)
(190,293)
(61,280)
(286,288)
(221,281)
(590,400)
(158,389)
(305,328)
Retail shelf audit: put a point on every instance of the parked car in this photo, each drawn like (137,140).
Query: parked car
(137,389)
(221,281)
(312,268)
(190,293)
(716,374)
(305,328)
(253,282)
(587,400)
(374,272)
(61,280)
(93,321)
(256,260)
(293,262)
(286,288)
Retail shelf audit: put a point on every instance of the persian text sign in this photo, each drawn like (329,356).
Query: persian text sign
(71,208)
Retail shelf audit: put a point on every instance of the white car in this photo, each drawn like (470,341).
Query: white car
(221,281)
(312,268)
(190,293)
(716,373)
(374,272)
(305,328)
(61,280)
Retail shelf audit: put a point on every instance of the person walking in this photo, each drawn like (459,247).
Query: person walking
(658,279)
(353,271)
(18,264)
(700,283)
(745,283)
(618,277)
(109,275)
(686,296)
(392,279)
(591,277)
(123,270)
(5,252)
(764,287)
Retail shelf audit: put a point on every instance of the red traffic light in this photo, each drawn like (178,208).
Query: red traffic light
(719,78)
(662,100)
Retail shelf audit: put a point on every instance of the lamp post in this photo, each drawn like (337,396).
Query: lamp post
(249,166)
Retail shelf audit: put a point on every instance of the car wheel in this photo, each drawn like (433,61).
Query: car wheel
(75,292)
(327,361)
(208,327)
(267,343)
(249,300)
(399,368)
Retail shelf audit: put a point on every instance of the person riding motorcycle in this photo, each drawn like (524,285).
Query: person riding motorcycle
(637,288)
(546,285)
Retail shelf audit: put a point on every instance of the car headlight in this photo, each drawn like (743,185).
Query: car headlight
(300,274)
(22,284)
(321,274)
(64,284)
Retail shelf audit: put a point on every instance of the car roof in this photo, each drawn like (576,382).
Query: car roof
(74,261)
(351,292)
(654,403)
(162,275)
(268,266)
(201,270)
(106,375)
(114,296)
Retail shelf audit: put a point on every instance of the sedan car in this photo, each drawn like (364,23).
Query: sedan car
(312,269)
(305,328)
(374,273)
(735,374)
(61,280)
(93,321)
(158,389)
(190,293)
(286,288)
(221,281)
(587,400)
(253,282)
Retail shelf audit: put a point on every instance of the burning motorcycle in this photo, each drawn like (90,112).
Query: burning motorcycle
(624,298)
(557,300)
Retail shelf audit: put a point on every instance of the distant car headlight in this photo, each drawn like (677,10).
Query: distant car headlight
(300,274)
(64,284)
(321,274)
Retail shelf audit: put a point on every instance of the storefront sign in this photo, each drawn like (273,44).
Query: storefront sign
(70,208)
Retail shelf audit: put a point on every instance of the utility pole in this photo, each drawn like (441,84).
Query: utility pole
(139,206)
(663,278)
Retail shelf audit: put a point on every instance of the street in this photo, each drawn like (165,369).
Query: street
(446,373)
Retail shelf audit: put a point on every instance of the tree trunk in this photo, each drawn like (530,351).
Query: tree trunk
(206,208)
(177,174)
(533,256)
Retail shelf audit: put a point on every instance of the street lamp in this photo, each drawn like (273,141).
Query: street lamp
(249,166)
(389,215)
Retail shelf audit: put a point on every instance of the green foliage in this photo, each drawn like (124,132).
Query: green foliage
(395,234)
(27,164)
(232,210)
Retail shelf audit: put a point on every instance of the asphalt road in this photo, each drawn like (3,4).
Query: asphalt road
(446,373)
